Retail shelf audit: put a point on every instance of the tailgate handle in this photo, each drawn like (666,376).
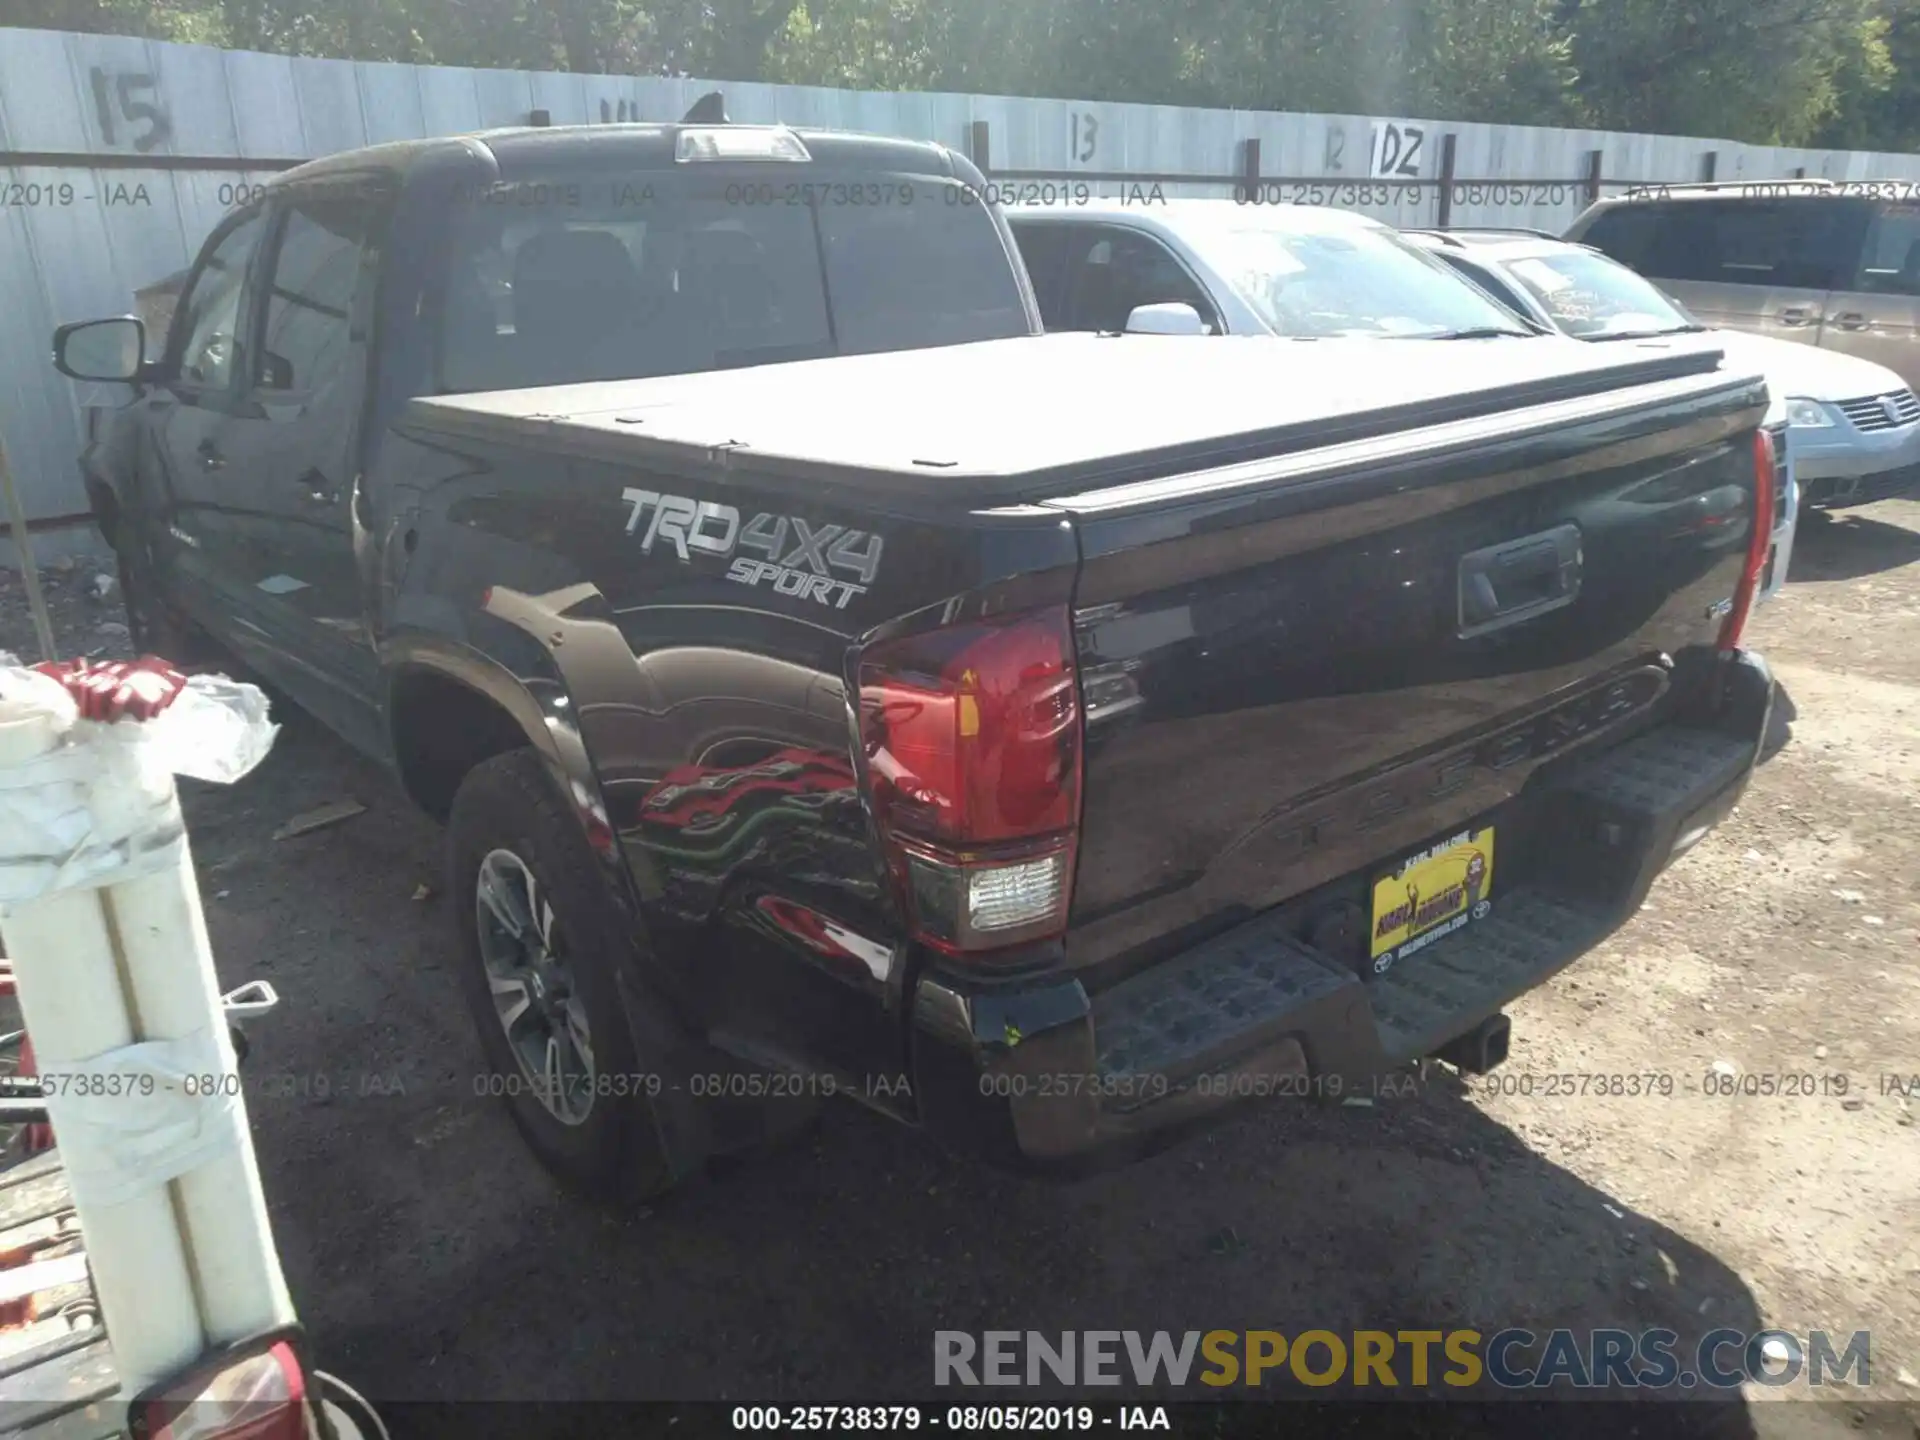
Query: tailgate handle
(1508,583)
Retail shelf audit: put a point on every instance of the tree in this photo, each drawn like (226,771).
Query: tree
(1835,72)
(1762,71)
(1877,106)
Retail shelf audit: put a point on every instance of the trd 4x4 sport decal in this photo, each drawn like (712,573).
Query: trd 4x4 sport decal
(800,557)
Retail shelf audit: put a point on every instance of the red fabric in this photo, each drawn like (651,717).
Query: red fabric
(39,1136)
(121,689)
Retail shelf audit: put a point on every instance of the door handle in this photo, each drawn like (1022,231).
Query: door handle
(1796,315)
(316,488)
(210,456)
(1850,320)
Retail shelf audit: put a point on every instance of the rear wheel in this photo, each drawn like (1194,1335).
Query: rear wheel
(541,944)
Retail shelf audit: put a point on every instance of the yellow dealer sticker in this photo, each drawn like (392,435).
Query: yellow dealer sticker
(1430,895)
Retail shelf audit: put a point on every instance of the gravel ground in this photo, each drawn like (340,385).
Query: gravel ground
(433,1259)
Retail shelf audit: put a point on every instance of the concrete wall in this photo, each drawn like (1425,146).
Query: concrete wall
(99,136)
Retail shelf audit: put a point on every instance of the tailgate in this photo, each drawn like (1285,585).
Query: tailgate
(1297,670)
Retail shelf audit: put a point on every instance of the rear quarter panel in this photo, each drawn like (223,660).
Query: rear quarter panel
(695,662)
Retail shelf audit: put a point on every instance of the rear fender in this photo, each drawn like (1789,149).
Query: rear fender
(533,692)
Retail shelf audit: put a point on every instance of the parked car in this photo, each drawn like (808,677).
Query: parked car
(1835,267)
(1855,425)
(1221,268)
(1050,740)
(1581,292)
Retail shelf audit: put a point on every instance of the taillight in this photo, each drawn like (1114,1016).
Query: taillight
(971,736)
(262,1396)
(1758,544)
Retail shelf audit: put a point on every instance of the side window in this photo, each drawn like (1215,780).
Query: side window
(1803,244)
(1627,233)
(1118,272)
(206,339)
(1891,262)
(309,314)
(1044,250)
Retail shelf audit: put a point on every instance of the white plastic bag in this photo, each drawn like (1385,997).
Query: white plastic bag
(100,805)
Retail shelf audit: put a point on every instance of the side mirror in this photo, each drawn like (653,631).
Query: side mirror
(105,350)
(1172,318)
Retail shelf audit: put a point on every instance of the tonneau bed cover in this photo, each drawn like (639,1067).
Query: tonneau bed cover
(1038,417)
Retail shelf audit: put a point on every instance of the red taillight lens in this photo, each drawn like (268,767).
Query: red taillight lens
(1758,544)
(261,1397)
(971,737)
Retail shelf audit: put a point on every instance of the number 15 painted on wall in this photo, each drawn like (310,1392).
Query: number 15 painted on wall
(127,89)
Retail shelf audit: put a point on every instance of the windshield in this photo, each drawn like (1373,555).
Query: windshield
(567,279)
(1593,298)
(1351,281)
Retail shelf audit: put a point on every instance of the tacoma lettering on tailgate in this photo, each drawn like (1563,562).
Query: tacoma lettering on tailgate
(801,557)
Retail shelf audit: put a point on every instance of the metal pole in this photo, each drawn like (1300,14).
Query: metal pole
(1444,215)
(17,519)
(980,147)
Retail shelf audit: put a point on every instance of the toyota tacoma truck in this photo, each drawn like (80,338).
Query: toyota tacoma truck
(831,685)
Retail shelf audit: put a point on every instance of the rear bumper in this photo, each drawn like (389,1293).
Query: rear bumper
(1034,1073)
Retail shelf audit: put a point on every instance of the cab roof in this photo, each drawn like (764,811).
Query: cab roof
(1496,245)
(524,150)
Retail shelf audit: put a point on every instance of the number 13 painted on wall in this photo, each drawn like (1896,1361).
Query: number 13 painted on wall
(1085,129)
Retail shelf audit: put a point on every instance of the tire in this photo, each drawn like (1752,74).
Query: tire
(608,1145)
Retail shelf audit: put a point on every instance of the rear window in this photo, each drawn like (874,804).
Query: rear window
(1809,243)
(1353,280)
(554,282)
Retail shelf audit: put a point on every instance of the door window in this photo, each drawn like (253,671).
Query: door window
(1891,262)
(1117,272)
(309,315)
(1799,244)
(206,330)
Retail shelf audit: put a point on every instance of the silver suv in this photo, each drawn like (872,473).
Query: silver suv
(1832,264)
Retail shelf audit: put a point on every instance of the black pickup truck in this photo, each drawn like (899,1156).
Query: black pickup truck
(831,685)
